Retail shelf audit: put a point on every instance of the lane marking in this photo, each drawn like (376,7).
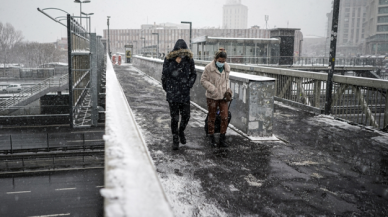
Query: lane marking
(18,192)
(52,215)
(99,186)
(102,131)
(95,140)
(65,189)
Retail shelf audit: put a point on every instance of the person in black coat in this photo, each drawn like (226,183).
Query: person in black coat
(178,78)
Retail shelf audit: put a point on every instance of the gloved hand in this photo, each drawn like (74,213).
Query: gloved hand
(227,96)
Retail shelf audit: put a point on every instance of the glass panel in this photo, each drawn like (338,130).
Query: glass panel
(383,10)
(383,19)
(382,28)
(383,2)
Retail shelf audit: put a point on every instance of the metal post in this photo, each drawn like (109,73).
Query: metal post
(333,46)
(108,40)
(10,141)
(157,50)
(94,78)
(83,140)
(386,112)
(48,144)
(190,31)
(70,65)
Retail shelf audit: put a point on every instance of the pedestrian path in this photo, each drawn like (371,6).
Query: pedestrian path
(321,166)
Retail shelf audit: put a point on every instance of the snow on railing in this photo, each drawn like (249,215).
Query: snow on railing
(132,187)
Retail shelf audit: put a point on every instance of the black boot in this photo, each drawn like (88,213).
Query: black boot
(222,141)
(182,137)
(175,142)
(212,141)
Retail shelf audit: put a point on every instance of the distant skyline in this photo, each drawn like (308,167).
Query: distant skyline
(309,15)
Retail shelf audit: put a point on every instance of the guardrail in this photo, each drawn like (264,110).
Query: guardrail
(132,187)
(51,83)
(46,142)
(300,61)
(359,100)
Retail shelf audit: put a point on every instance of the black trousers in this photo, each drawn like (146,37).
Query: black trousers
(184,110)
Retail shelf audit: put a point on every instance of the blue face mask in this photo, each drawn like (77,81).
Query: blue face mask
(220,65)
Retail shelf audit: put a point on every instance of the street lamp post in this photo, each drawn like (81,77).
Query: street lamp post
(157,48)
(186,22)
(88,16)
(135,47)
(80,7)
(144,44)
(108,38)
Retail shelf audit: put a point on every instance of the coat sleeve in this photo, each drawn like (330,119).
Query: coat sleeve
(205,81)
(193,74)
(168,67)
(228,90)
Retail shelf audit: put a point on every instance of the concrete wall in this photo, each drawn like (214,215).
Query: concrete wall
(252,107)
(132,187)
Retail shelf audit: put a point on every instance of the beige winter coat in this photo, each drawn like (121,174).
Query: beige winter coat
(216,83)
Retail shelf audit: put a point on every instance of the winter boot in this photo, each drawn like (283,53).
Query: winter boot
(182,137)
(222,141)
(212,141)
(175,142)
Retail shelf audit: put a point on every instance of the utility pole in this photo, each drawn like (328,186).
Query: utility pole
(108,39)
(333,46)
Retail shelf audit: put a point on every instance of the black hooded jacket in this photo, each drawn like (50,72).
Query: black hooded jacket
(178,79)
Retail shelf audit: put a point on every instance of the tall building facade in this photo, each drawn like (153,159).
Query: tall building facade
(363,28)
(376,27)
(235,15)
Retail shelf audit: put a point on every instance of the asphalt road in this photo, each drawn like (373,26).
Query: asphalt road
(64,193)
(325,167)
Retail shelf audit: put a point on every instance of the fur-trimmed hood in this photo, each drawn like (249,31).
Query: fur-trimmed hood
(181,52)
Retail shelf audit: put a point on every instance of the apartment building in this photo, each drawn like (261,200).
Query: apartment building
(376,27)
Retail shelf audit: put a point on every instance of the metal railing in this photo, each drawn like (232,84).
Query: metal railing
(15,100)
(358,100)
(85,61)
(300,61)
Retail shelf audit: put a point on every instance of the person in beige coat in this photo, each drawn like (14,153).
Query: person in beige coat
(215,79)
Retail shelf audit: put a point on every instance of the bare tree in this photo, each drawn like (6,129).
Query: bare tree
(9,37)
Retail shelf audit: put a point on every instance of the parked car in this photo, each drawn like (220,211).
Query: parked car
(13,88)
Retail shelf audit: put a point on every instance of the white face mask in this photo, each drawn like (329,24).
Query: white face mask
(220,64)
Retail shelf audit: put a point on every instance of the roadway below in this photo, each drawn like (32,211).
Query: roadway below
(49,136)
(60,193)
(322,167)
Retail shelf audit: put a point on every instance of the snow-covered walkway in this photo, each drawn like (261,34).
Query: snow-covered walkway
(322,166)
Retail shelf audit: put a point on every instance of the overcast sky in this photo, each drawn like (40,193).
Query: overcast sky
(309,15)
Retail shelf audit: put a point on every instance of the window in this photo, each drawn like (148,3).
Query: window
(383,19)
(383,10)
(383,2)
(382,28)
